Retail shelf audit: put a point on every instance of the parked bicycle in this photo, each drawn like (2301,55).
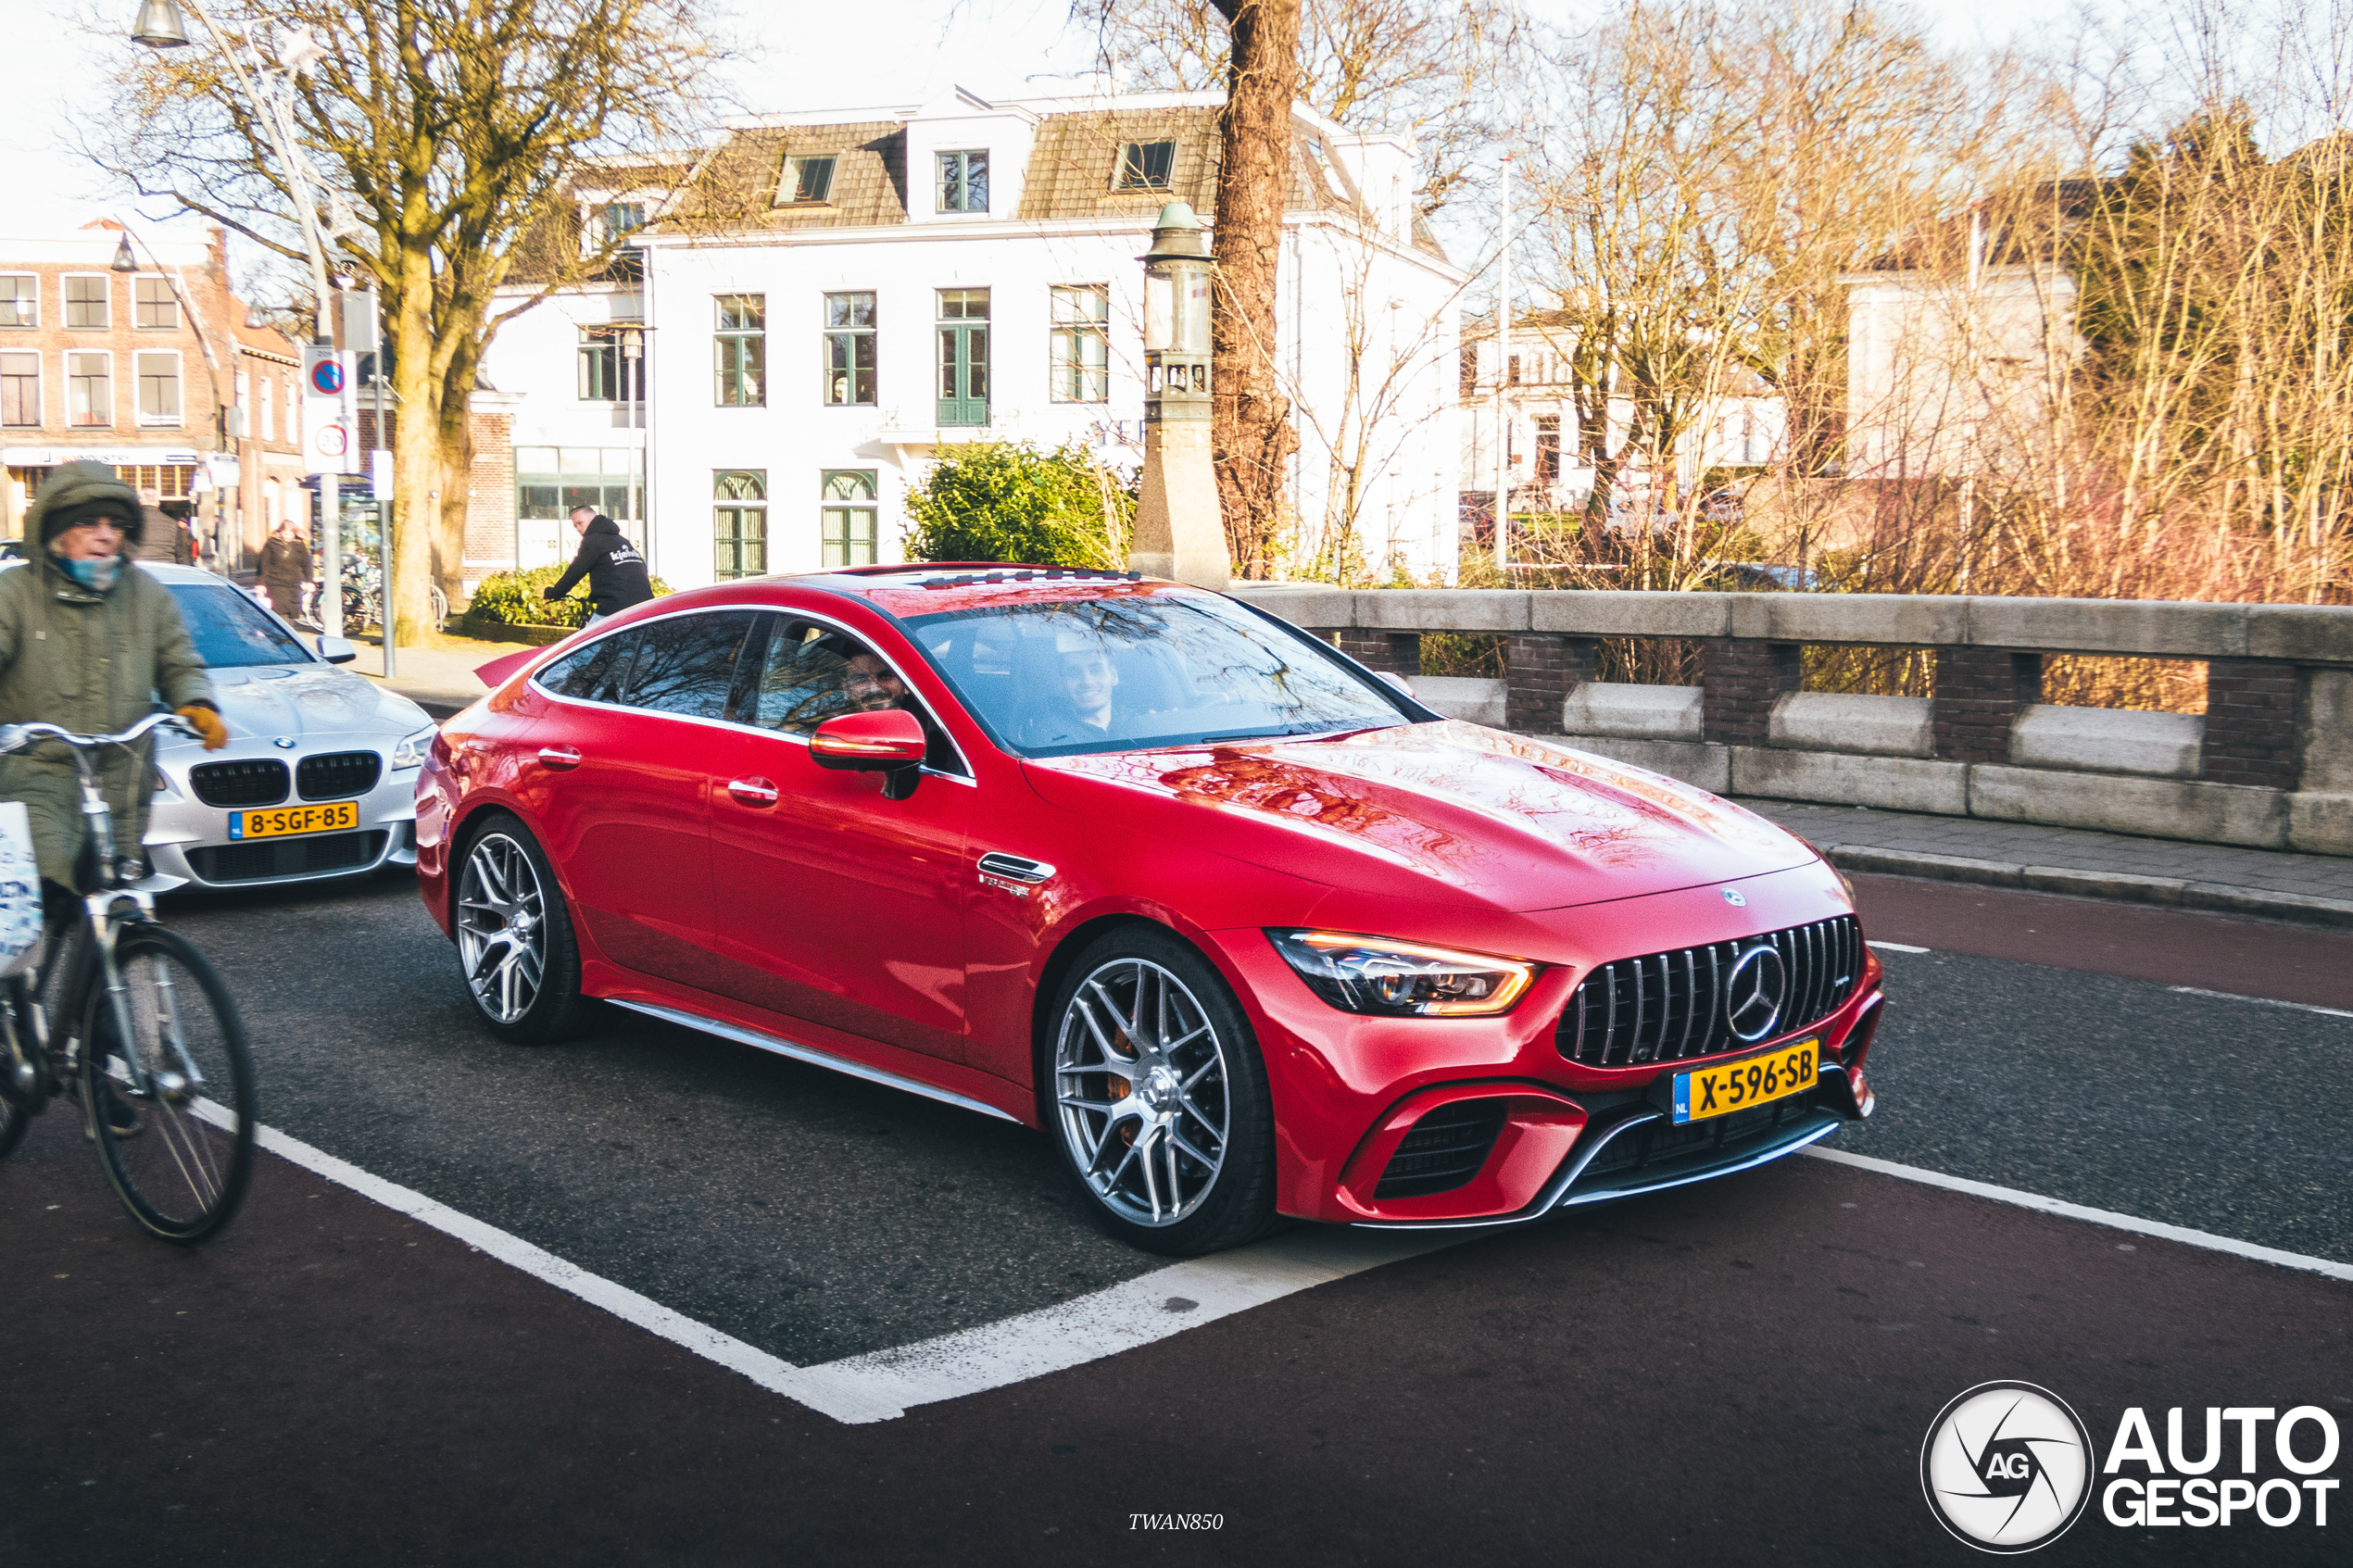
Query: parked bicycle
(130,1020)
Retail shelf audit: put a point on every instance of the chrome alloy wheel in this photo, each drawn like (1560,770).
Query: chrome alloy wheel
(1142,1084)
(502,935)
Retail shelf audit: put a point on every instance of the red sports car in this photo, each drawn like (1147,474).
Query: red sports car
(1242,927)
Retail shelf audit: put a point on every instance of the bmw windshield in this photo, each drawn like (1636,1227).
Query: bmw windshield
(1131,671)
(230,631)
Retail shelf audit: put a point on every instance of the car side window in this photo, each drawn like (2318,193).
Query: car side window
(594,673)
(686,664)
(811,673)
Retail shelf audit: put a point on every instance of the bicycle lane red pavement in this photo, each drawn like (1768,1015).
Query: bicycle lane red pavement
(1740,1374)
(2247,958)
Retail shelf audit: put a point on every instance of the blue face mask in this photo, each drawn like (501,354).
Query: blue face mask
(96,575)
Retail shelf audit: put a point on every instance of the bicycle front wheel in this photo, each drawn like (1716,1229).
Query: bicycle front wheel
(182,1170)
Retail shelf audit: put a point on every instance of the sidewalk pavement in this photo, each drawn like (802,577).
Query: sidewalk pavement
(2269,884)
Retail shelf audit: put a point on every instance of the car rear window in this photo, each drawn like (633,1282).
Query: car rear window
(231,630)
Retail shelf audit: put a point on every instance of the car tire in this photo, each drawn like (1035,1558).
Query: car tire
(516,952)
(1152,1080)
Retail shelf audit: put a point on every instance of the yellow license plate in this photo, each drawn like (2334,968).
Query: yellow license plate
(283,822)
(1756,1080)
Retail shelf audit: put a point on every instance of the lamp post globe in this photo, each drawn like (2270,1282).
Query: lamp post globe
(123,260)
(159,25)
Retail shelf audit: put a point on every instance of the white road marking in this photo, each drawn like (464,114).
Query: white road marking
(2261,1001)
(1899,948)
(2114,1221)
(886,1383)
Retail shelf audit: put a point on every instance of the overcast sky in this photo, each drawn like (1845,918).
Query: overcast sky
(808,57)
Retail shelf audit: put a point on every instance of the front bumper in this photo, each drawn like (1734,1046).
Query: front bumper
(187,839)
(1529,1130)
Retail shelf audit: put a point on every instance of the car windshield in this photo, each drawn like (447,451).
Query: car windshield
(230,630)
(1127,671)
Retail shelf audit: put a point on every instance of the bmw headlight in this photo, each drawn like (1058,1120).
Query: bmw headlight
(411,752)
(1376,975)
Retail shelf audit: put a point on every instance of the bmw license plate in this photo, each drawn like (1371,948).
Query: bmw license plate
(1736,1085)
(284,821)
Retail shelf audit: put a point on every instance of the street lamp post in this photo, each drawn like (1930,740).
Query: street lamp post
(159,25)
(1179,530)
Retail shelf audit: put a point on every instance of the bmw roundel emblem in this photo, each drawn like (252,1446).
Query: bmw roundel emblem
(1733,897)
(284,743)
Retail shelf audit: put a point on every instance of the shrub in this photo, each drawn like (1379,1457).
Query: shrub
(513,598)
(1009,501)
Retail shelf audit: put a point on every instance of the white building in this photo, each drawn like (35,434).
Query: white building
(848,294)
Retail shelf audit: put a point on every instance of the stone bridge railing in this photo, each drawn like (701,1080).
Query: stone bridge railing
(2270,764)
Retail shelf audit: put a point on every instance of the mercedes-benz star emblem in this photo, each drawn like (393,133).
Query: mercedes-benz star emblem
(1753,995)
(1733,897)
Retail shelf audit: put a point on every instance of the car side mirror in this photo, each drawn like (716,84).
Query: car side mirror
(337,650)
(1396,681)
(890,742)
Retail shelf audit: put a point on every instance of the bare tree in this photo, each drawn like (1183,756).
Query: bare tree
(447,137)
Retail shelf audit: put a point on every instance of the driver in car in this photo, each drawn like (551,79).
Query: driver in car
(870,685)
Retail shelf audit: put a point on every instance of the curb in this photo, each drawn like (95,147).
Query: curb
(2211,897)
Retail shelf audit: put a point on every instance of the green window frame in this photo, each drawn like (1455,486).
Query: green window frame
(1146,166)
(963,180)
(848,523)
(739,523)
(1079,350)
(849,349)
(739,350)
(964,356)
(612,365)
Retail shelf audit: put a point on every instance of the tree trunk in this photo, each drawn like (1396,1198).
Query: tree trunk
(1251,430)
(416,438)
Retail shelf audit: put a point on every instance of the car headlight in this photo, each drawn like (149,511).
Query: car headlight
(411,752)
(1395,979)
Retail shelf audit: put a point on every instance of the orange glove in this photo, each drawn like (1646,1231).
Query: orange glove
(208,723)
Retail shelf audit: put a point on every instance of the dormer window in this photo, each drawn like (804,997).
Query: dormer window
(1146,166)
(607,223)
(806,182)
(963,181)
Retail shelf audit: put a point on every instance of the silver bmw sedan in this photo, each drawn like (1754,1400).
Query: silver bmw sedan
(319,777)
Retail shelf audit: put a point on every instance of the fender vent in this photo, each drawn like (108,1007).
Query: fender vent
(1445,1150)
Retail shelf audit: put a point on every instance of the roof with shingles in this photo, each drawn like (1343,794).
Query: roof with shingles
(739,187)
(1075,162)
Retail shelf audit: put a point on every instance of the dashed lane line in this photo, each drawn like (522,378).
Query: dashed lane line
(2259,1002)
(2107,1217)
(1899,948)
(886,1384)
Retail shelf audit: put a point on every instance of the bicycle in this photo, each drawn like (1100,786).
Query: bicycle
(150,1028)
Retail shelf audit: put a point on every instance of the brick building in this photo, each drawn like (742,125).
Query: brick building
(139,368)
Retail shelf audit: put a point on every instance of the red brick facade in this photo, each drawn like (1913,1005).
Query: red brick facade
(1740,681)
(1976,695)
(2251,723)
(1540,671)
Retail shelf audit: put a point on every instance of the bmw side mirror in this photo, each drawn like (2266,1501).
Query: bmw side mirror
(337,650)
(890,742)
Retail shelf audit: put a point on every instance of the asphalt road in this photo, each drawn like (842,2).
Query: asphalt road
(1737,1373)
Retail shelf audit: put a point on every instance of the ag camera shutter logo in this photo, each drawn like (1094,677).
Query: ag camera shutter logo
(2007,1467)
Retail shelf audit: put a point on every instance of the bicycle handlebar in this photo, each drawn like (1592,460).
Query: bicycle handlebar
(16,737)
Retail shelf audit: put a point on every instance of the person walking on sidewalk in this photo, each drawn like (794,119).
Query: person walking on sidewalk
(285,570)
(616,572)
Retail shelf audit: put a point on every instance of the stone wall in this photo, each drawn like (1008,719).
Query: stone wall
(2270,764)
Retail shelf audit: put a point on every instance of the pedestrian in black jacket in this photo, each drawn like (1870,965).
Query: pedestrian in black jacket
(616,572)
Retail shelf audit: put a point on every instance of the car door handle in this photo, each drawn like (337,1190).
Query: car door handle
(753,791)
(558,757)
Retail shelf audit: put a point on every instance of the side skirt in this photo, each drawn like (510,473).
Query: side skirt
(809,1054)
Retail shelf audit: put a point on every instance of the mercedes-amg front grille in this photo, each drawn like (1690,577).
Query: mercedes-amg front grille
(1672,1006)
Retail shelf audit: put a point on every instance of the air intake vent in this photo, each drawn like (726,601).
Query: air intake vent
(1446,1149)
(1670,1007)
(274,857)
(261,783)
(338,774)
